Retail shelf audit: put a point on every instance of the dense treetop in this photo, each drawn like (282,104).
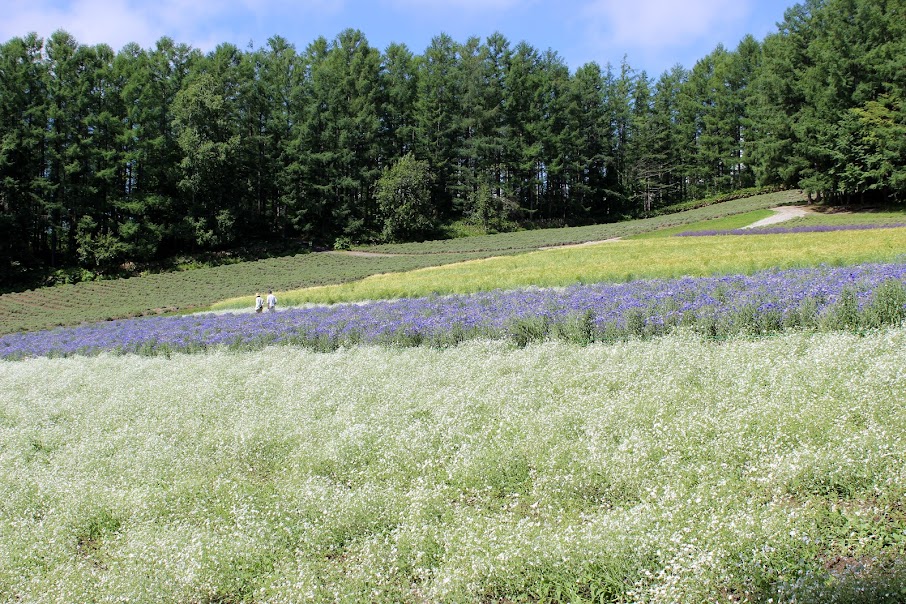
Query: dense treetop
(107,157)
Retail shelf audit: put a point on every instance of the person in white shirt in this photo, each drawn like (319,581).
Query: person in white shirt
(259,303)
(271,301)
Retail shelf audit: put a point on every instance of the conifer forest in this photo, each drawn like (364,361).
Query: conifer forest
(109,157)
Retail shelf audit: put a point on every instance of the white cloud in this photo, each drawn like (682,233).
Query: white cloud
(659,33)
(447,6)
(114,22)
(200,23)
(654,24)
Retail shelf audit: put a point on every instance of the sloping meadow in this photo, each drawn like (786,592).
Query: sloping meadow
(464,448)
(676,469)
(823,298)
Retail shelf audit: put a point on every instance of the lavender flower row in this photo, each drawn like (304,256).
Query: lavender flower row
(765,301)
(793,229)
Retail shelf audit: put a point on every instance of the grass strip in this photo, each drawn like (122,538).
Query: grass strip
(727,223)
(615,261)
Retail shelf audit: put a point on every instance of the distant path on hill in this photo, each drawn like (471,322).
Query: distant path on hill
(362,254)
(583,244)
(365,254)
(781,214)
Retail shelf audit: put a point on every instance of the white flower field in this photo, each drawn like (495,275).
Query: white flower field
(676,469)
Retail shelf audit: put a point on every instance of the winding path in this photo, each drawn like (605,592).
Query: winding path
(781,214)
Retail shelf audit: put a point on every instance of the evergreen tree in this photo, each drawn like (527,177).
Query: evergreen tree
(554,137)
(70,195)
(278,74)
(827,100)
(99,239)
(645,149)
(306,180)
(471,84)
(205,116)
(777,101)
(589,145)
(399,94)
(496,129)
(438,119)
(523,124)
(23,187)
(619,109)
(153,198)
(345,88)
(666,180)
(864,46)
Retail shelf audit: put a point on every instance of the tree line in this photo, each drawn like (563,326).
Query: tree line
(108,157)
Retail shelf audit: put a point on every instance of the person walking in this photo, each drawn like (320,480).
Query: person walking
(259,303)
(271,301)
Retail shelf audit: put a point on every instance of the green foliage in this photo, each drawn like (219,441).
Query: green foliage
(491,212)
(403,196)
(342,243)
(98,250)
(887,306)
(828,103)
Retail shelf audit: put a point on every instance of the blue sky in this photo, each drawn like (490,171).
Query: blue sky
(654,35)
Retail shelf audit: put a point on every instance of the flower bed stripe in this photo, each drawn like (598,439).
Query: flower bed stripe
(826,228)
(865,295)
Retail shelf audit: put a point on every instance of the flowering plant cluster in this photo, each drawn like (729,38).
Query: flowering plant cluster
(817,228)
(674,470)
(865,295)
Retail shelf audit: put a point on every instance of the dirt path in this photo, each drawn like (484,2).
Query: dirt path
(584,243)
(364,254)
(781,214)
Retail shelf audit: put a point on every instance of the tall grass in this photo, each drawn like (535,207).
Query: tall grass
(727,223)
(672,471)
(615,261)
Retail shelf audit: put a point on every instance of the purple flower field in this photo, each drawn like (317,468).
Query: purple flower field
(764,302)
(793,229)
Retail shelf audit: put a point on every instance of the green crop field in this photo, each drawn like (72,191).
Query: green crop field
(617,261)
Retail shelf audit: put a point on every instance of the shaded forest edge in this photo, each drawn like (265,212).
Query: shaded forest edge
(111,160)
